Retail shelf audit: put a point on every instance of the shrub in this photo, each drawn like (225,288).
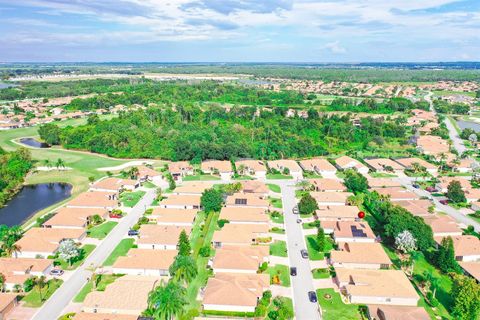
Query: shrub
(205,251)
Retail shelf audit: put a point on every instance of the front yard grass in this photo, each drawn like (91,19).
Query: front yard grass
(103,281)
(200,177)
(278,176)
(321,273)
(84,253)
(277,230)
(382,175)
(130,199)
(274,187)
(277,218)
(32,299)
(120,250)
(279,275)
(101,231)
(333,307)
(278,248)
(312,247)
(276,203)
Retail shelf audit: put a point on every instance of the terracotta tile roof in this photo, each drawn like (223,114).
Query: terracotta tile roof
(146,259)
(292,165)
(254,186)
(222,166)
(396,193)
(179,167)
(74,217)
(353,229)
(317,164)
(253,165)
(18,270)
(326,184)
(442,224)
(47,239)
(473,268)
(96,199)
(389,312)
(171,216)
(241,214)
(161,235)
(354,252)
(382,182)
(240,257)
(194,187)
(337,212)
(144,171)
(5,300)
(240,233)
(466,245)
(181,200)
(114,184)
(246,199)
(346,162)
(103,316)
(416,207)
(432,145)
(326,197)
(232,289)
(408,162)
(380,164)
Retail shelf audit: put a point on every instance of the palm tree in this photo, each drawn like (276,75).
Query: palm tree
(47,163)
(133,172)
(184,269)
(40,282)
(60,164)
(11,249)
(167,301)
(2,282)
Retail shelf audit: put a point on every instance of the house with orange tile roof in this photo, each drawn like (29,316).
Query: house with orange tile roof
(240,234)
(346,162)
(181,202)
(443,225)
(290,166)
(382,312)
(418,208)
(336,213)
(353,231)
(148,174)
(396,193)
(103,316)
(258,188)
(327,185)
(145,262)
(234,292)
(384,165)
(246,200)
(75,218)
(160,237)
(95,199)
(472,269)
(382,182)
(180,169)
(244,215)
(239,259)
(432,145)
(112,184)
(409,163)
(16,271)
(173,217)
(331,198)
(8,301)
(318,165)
(467,248)
(464,165)
(126,295)
(254,168)
(44,242)
(223,168)
(192,188)
(384,287)
(442,186)
(352,255)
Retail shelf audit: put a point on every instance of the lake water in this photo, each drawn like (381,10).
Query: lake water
(31,199)
(468,124)
(34,143)
(4,85)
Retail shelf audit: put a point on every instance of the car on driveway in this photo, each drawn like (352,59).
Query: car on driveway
(132,232)
(299,220)
(312,296)
(304,253)
(115,216)
(293,271)
(431,189)
(56,272)
(444,202)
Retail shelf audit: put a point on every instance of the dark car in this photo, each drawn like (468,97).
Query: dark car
(431,189)
(416,186)
(56,272)
(299,220)
(444,202)
(133,232)
(304,253)
(293,271)
(312,296)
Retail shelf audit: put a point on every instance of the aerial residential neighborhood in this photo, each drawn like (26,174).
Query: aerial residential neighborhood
(240,159)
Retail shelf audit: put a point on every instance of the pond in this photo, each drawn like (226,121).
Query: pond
(34,143)
(31,199)
(468,124)
(4,85)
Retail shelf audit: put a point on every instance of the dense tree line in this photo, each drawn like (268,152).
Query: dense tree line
(190,133)
(442,106)
(373,106)
(14,166)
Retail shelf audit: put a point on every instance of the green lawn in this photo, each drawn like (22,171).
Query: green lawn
(102,283)
(276,203)
(333,307)
(321,273)
(287,302)
(101,231)
(200,177)
(283,273)
(32,299)
(278,248)
(120,250)
(309,225)
(475,217)
(382,175)
(312,247)
(274,187)
(277,230)
(130,199)
(311,175)
(278,219)
(84,253)
(148,184)
(278,176)
(442,93)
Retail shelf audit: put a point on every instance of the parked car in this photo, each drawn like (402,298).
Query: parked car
(299,220)
(312,296)
(293,271)
(56,272)
(444,202)
(304,253)
(416,186)
(132,232)
(115,215)
(295,210)
(431,189)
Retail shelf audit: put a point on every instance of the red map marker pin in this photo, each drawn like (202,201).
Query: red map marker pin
(361,214)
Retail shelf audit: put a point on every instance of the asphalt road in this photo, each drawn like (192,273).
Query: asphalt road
(455,214)
(53,307)
(457,141)
(303,282)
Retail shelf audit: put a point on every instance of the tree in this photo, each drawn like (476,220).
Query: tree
(320,239)
(356,200)
(2,282)
(455,192)
(60,164)
(211,200)
(133,172)
(307,204)
(405,242)
(183,244)
(355,182)
(68,250)
(40,283)
(50,133)
(466,298)
(184,269)
(167,301)
(91,179)
(446,256)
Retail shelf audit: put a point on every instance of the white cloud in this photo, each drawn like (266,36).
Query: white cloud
(335,47)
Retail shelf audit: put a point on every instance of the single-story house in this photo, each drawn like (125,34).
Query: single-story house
(194,188)
(345,162)
(360,255)
(95,199)
(174,217)
(239,259)
(112,184)
(331,198)
(408,163)
(465,165)
(443,225)
(396,193)
(145,262)
(255,187)
(327,185)
(418,208)
(442,186)
(103,316)
(353,231)
(75,218)
(472,269)
(153,236)
(244,215)
(221,167)
(384,165)
(472,195)
(17,271)
(466,247)
(234,292)
(382,182)
(291,166)
(148,174)
(8,301)
(240,234)
(181,202)
(246,200)
(254,168)
(180,169)
(364,286)
(334,213)
(386,312)
(318,165)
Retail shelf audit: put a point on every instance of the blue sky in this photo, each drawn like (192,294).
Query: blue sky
(240,30)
